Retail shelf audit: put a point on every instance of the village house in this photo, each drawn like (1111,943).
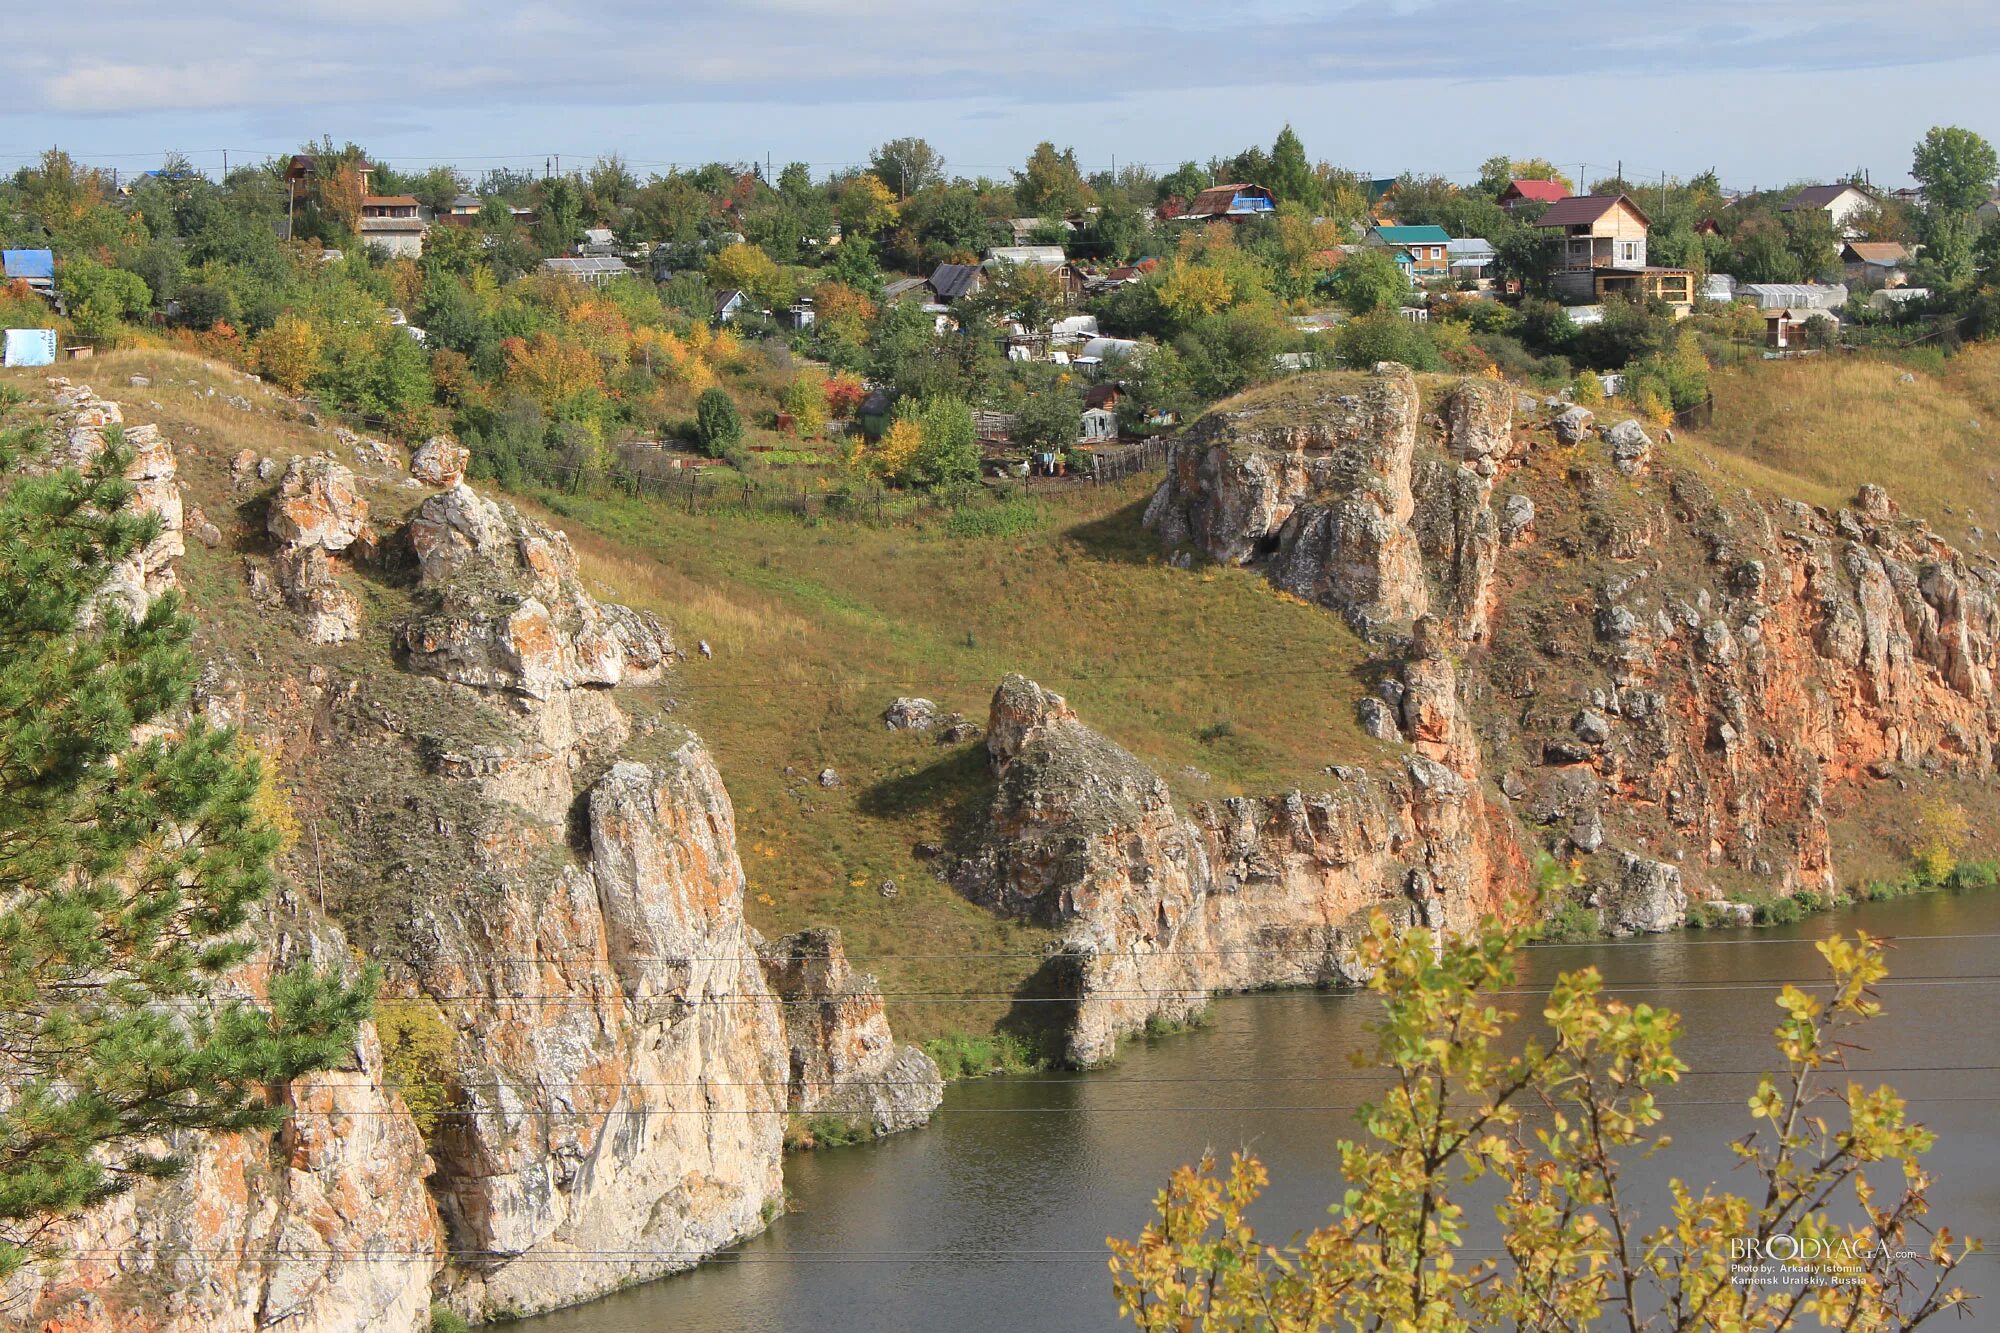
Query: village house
(799,314)
(1519,192)
(36,268)
(393,223)
(1604,252)
(725,307)
(954,282)
(1844,205)
(1229,203)
(1422,252)
(1791,330)
(1876,263)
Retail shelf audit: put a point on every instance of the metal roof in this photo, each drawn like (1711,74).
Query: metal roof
(951,281)
(1413,235)
(1043,256)
(1819,196)
(29,264)
(1581,209)
(1795,295)
(1544,191)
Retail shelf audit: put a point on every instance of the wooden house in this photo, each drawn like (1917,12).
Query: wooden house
(1423,253)
(1229,203)
(1604,252)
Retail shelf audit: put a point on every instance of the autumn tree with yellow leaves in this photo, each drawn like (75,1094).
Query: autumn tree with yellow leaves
(1552,1126)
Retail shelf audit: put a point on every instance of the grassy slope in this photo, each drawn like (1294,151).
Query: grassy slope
(815,630)
(1816,428)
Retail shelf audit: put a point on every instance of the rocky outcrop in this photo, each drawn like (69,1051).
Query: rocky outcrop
(1160,908)
(632,1114)
(845,1063)
(317,504)
(1346,495)
(317,510)
(1646,898)
(1317,488)
(84,424)
(324,1226)
(556,885)
(504,607)
(440,461)
(1698,681)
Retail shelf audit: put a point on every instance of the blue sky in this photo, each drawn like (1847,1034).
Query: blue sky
(1766,91)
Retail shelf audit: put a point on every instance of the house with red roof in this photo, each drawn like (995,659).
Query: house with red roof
(1531,191)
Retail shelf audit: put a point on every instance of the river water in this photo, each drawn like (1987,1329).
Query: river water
(994,1217)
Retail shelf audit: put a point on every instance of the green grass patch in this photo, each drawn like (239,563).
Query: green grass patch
(815,628)
(977,1055)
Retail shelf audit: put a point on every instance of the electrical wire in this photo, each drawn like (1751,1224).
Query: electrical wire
(1248,950)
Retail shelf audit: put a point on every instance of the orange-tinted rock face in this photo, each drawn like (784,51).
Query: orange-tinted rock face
(1669,687)
(324,1226)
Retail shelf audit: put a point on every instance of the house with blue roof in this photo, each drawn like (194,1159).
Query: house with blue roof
(37,268)
(1423,253)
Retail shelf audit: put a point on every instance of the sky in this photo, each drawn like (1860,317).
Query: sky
(1767,92)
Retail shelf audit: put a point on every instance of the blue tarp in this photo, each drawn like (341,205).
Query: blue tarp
(30,347)
(29,263)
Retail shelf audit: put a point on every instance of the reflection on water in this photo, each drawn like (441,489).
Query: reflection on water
(1054,1164)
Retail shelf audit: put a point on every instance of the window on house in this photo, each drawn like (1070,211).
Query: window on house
(1628,251)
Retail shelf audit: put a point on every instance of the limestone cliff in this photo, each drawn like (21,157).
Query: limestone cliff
(1622,665)
(1161,907)
(845,1063)
(548,877)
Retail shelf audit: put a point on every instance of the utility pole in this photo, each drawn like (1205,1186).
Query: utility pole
(225,164)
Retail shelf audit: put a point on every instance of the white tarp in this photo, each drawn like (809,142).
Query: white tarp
(30,347)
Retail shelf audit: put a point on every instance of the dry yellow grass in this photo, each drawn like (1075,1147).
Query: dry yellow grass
(1818,428)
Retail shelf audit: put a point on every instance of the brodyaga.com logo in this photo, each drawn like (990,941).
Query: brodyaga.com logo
(1813,1261)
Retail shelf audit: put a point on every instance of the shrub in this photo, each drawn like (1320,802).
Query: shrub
(1780,911)
(717,425)
(416,1055)
(826,1131)
(1589,389)
(1570,922)
(1386,336)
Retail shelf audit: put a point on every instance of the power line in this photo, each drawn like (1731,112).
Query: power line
(533,1109)
(1082,1078)
(714,1257)
(1164,992)
(1248,950)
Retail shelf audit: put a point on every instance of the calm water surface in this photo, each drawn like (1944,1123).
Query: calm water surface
(1053,1165)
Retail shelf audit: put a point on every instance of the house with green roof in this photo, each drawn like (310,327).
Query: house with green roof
(1423,253)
